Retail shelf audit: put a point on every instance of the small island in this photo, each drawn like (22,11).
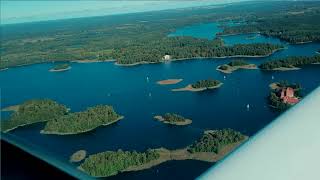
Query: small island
(211,147)
(32,111)
(284,95)
(173,119)
(80,122)
(235,65)
(78,156)
(60,68)
(290,63)
(169,81)
(201,85)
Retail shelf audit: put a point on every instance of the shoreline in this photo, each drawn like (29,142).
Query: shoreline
(283,69)
(92,61)
(161,119)
(190,88)
(4,69)
(60,70)
(179,155)
(22,125)
(13,108)
(231,69)
(194,58)
(169,81)
(74,133)
(145,62)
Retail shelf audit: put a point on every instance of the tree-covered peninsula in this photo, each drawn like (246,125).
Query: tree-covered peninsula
(235,65)
(80,122)
(33,111)
(213,146)
(60,67)
(173,119)
(290,63)
(283,95)
(201,85)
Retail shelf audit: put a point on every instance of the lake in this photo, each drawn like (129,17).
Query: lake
(134,93)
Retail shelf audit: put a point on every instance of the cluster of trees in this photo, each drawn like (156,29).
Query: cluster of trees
(288,27)
(214,141)
(290,62)
(274,98)
(79,122)
(186,47)
(239,62)
(205,83)
(112,162)
(276,102)
(34,111)
(61,66)
(171,117)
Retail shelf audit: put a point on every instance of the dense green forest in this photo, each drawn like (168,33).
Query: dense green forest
(239,62)
(206,84)
(80,122)
(214,141)
(295,26)
(143,36)
(112,162)
(233,63)
(171,117)
(187,47)
(61,67)
(290,62)
(34,111)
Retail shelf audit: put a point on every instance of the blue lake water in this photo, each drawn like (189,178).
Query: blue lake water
(132,95)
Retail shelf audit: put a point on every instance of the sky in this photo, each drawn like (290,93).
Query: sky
(12,12)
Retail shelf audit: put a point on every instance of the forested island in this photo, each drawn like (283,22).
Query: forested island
(290,63)
(201,85)
(60,67)
(211,147)
(143,38)
(33,111)
(235,65)
(173,119)
(80,122)
(283,95)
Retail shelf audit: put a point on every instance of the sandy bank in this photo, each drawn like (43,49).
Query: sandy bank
(169,81)
(11,108)
(78,156)
(93,61)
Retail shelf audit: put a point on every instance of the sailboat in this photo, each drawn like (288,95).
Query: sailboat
(248,106)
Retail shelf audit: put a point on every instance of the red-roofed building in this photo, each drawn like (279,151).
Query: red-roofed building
(287,96)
